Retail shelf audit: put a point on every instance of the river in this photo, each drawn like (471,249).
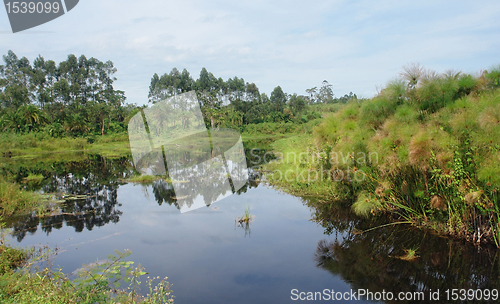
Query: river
(294,248)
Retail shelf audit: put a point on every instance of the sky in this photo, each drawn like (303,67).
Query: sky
(357,46)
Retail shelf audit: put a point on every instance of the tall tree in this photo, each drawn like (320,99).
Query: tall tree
(278,99)
(325,94)
(312,94)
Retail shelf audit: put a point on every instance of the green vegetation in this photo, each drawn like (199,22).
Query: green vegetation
(246,218)
(33,178)
(21,281)
(410,255)
(11,258)
(73,98)
(72,107)
(17,144)
(94,284)
(238,104)
(14,200)
(422,151)
(146,179)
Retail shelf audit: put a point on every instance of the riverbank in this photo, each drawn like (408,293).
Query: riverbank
(38,143)
(21,281)
(424,154)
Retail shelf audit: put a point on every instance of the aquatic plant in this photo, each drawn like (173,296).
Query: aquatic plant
(434,138)
(410,255)
(145,179)
(246,218)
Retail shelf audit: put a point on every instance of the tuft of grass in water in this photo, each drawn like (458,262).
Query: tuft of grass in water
(34,178)
(410,255)
(246,218)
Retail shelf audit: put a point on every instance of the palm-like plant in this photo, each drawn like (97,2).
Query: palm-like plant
(412,73)
(29,115)
(10,120)
(76,124)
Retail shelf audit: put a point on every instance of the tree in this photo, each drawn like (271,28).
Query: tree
(236,88)
(312,94)
(30,115)
(15,81)
(297,104)
(203,83)
(186,82)
(278,99)
(325,94)
(252,92)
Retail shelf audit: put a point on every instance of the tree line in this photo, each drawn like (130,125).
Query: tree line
(74,97)
(235,103)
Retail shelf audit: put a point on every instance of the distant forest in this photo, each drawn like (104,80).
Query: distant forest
(234,102)
(76,98)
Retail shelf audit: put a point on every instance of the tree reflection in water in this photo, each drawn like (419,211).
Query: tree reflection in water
(372,260)
(164,192)
(97,178)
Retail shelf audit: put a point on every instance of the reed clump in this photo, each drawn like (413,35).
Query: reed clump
(246,218)
(438,157)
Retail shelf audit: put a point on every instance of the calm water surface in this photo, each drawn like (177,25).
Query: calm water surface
(207,257)
(210,259)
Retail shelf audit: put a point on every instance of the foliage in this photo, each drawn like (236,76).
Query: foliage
(423,151)
(233,103)
(74,97)
(98,283)
(10,258)
(246,218)
(493,77)
(146,179)
(14,200)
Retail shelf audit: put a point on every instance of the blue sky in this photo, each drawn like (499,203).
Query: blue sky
(357,46)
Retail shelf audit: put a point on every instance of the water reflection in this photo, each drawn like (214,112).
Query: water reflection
(97,179)
(159,138)
(374,260)
(164,192)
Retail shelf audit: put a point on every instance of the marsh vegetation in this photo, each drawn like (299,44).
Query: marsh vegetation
(437,157)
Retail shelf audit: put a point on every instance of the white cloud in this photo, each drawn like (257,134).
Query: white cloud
(294,44)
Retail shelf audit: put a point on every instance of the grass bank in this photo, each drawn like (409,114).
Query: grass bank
(14,144)
(14,200)
(21,283)
(423,151)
